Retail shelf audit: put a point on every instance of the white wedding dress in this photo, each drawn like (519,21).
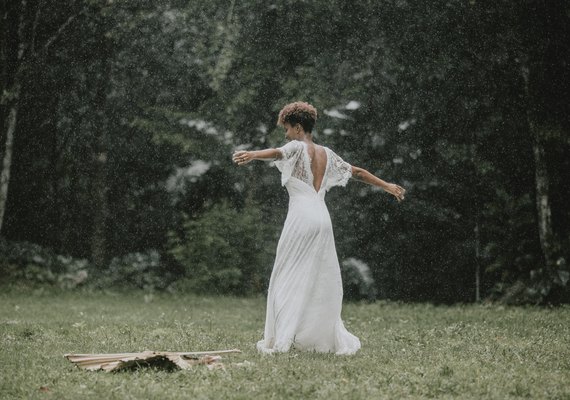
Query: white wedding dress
(305,291)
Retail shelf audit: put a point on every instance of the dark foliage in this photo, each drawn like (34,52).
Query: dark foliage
(129,111)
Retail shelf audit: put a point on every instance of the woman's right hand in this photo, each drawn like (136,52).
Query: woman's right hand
(242,157)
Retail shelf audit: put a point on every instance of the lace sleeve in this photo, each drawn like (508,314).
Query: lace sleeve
(339,171)
(290,154)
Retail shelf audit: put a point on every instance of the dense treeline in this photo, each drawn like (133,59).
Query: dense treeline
(119,119)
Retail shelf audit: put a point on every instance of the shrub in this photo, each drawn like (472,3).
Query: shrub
(540,287)
(357,280)
(225,250)
(135,270)
(32,264)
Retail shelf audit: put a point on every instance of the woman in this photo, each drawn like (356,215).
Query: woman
(305,290)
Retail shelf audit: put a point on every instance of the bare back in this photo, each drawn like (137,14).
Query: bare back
(318,167)
(318,159)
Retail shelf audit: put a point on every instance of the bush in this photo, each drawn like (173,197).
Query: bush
(136,271)
(357,280)
(224,251)
(31,264)
(540,288)
(34,265)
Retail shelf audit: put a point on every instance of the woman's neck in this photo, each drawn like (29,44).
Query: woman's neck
(308,138)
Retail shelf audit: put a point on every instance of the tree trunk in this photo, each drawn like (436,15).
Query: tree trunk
(12,98)
(477,263)
(544,213)
(10,128)
(100,154)
(476,215)
(100,205)
(545,231)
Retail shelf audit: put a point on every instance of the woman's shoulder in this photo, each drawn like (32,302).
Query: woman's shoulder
(334,157)
(293,144)
(328,149)
(291,149)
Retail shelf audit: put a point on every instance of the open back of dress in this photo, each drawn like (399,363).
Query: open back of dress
(305,291)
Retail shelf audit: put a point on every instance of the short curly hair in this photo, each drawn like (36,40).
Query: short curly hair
(298,112)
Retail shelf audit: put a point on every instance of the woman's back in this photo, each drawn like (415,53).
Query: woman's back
(318,160)
(317,166)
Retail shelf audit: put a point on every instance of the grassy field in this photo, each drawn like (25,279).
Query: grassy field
(409,351)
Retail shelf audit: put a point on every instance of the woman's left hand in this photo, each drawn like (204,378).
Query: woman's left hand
(396,190)
(242,157)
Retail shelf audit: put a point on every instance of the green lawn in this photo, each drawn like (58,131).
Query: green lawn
(409,351)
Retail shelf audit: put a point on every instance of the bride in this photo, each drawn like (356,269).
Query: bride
(305,290)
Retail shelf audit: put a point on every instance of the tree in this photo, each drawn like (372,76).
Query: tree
(19,56)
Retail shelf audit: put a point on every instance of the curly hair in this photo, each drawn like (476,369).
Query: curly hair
(298,112)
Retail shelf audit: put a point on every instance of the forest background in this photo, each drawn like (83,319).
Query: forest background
(119,119)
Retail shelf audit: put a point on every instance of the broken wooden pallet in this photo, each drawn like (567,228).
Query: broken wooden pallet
(161,359)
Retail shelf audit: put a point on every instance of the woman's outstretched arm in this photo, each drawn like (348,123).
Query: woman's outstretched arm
(363,175)
(242,157)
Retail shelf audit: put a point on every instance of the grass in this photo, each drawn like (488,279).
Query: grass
(413,351)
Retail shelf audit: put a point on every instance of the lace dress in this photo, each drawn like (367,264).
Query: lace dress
(305,291)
